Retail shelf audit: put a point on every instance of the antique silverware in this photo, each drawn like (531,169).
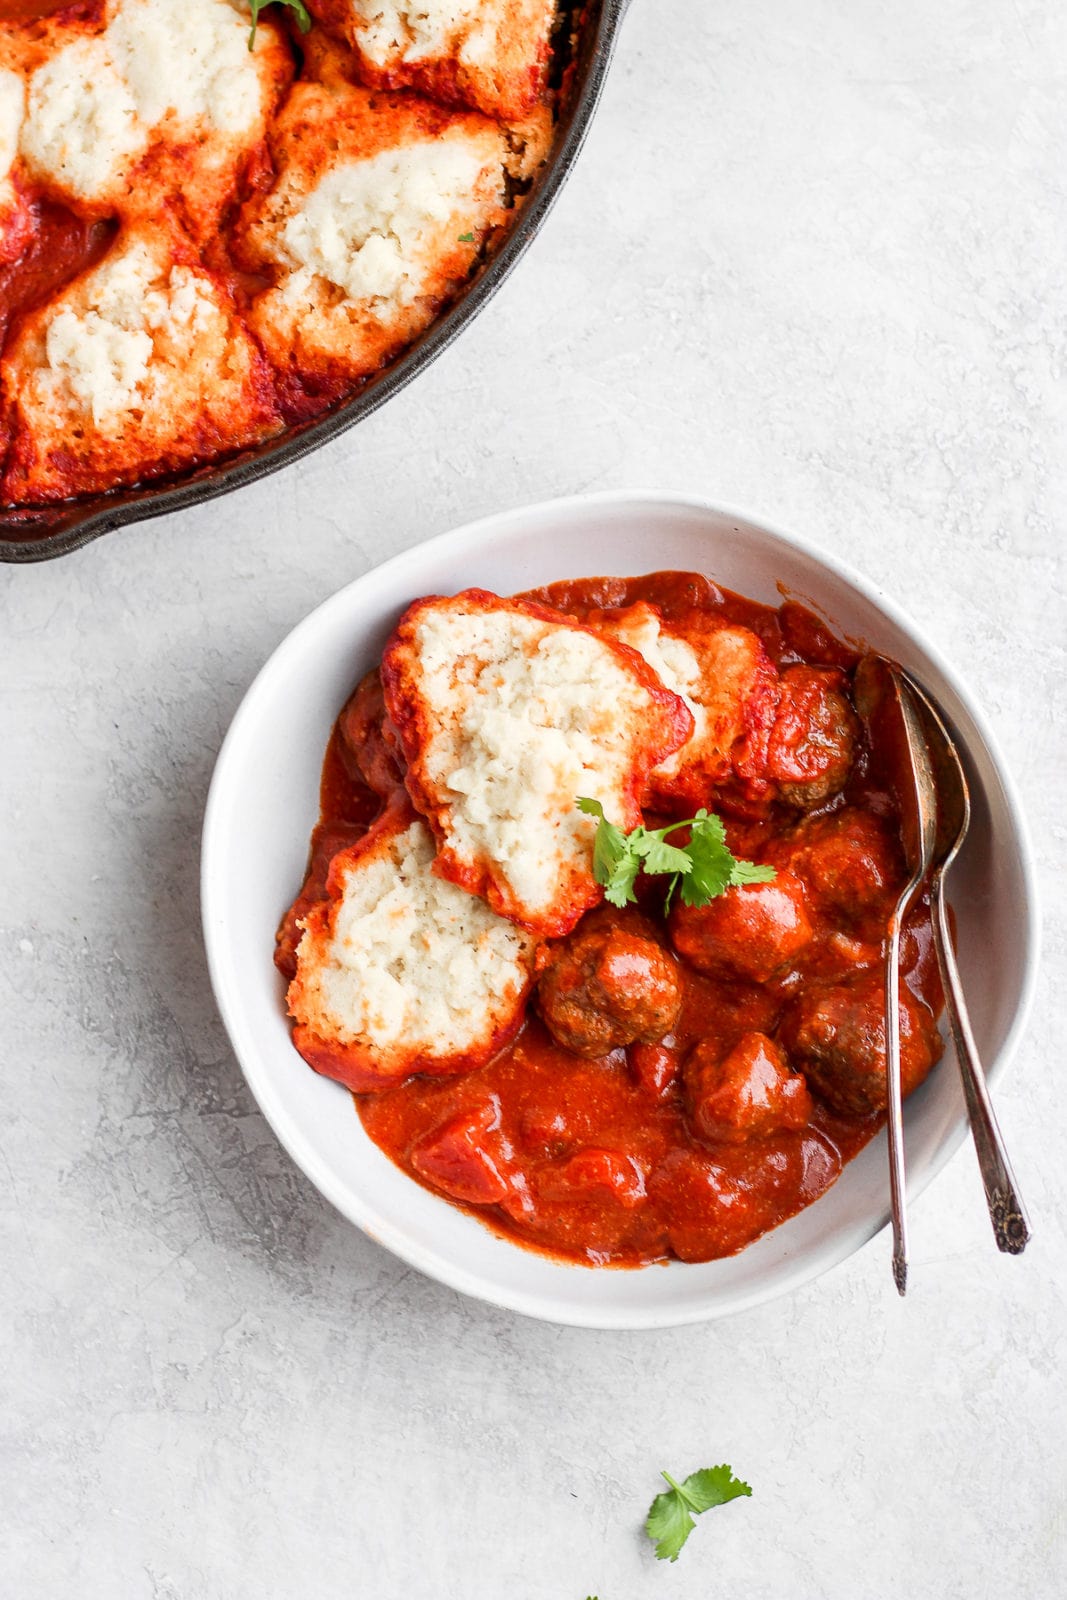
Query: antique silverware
(919,830)
(943,791)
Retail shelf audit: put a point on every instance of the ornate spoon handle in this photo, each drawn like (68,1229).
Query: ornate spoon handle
(1011,1229)
(895,1108)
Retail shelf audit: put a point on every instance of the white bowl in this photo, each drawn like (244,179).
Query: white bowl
(264,802)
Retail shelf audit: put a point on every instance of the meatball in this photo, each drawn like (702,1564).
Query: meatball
(716,1202)
(609,984)
(836,1036)
(746,1094)
(850,862)
(371,738)
(709,1211)
(813,739)
(748,932)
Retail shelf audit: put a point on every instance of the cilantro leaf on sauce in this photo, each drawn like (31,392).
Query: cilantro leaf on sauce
(670,1516)
(303,16)
(609,843)
(703,869)
(715,868)
(743,872)
(659,856)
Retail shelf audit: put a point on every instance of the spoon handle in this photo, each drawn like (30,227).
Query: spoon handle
(895,1107)
(1011,1229)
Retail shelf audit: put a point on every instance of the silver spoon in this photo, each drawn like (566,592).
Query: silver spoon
(943,792)
(919,830)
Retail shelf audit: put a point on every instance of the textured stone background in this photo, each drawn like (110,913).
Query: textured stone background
(812,262)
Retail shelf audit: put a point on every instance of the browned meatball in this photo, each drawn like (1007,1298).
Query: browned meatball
(813,740)
(716,1202)
(836,1036)
(609,984)
(750,931)
(367,733)
(746,1094)
(850,862)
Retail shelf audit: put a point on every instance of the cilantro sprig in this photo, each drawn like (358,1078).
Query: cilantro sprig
(670,1516)
(705,868)
(303,16)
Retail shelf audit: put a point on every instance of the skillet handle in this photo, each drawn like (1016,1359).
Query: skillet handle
(1011,1229)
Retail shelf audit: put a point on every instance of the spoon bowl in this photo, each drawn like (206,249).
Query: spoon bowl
(945,803)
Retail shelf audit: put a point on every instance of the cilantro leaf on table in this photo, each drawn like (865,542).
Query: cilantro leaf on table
(704,868)
(714,1486)
(670,1516)
(668,1524)
(303,16)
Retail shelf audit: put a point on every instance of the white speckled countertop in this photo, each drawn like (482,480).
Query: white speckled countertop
(812,262)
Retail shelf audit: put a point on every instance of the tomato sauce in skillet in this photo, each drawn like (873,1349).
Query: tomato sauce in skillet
(61,246)
(609,1162)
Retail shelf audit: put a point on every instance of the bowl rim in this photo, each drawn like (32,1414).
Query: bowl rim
(532,1303)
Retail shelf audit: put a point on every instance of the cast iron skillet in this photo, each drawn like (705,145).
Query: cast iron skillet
(39,532)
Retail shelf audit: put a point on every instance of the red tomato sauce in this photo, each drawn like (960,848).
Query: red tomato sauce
(603,1162)
(61,246)
(36,10)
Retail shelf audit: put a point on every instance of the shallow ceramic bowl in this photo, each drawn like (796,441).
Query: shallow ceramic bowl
(264,801)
